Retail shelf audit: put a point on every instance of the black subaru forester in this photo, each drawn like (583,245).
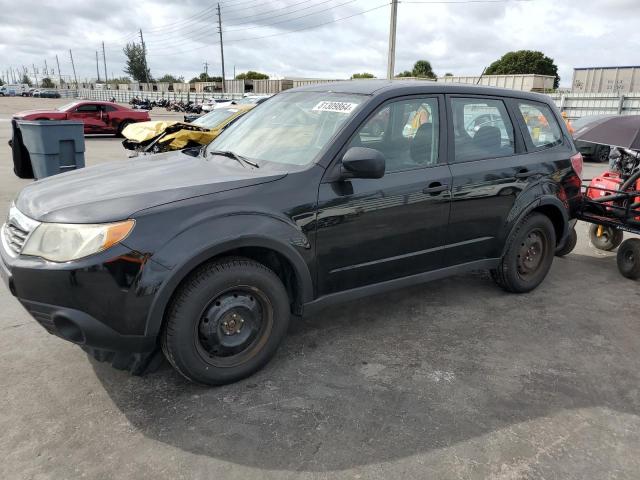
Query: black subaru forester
(321,194)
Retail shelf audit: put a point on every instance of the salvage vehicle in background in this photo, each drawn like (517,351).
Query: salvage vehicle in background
(209,253)
(591,151)
(164,136)
(98,117)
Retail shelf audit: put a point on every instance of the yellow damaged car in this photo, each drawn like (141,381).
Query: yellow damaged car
(164,136)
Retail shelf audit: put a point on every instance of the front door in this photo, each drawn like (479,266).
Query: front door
(373,230)
(92,116)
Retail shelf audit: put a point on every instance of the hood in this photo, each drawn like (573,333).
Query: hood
(26,113)
(115,191)
(143,131)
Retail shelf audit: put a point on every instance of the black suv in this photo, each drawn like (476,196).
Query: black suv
(321,194)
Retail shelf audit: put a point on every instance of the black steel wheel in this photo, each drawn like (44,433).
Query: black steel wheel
(569,244)
(528,256)
(226,321)
(602,154)
(628,258)
(605,238)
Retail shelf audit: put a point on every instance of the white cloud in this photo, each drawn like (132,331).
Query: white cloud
(459,38)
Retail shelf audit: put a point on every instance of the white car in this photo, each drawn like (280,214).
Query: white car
(214,103)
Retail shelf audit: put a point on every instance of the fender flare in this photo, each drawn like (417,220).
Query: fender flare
(179,273)
(546,201)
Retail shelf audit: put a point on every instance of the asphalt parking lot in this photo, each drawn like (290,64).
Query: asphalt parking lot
(453,379)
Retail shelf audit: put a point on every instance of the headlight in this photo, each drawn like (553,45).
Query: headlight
(62,242)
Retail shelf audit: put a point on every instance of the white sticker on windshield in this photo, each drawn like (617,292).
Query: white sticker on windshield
(339,107)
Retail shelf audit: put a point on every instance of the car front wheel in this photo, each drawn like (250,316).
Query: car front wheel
(528,255)
(226,321)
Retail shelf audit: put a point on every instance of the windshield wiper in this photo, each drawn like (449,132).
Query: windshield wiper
(235,156)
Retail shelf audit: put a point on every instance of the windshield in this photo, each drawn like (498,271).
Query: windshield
(215,118)
(66,107)
(291,128)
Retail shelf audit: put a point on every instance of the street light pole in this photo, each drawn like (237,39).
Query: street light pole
(392,40)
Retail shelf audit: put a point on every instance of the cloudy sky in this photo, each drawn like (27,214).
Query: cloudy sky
(316,38)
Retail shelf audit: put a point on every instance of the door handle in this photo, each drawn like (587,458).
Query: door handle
(525,174)
(435,188)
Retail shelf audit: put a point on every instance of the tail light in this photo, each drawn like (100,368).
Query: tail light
(576,163)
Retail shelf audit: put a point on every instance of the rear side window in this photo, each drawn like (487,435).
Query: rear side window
(543,128)
(481,128)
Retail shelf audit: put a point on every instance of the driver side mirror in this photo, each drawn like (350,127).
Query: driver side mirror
(361,162)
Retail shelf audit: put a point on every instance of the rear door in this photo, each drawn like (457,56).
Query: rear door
(374,230)
(490,169)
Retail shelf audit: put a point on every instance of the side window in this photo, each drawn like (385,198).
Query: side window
(89,108)
(406,132)
(542,125)
(108,108)
(481,129)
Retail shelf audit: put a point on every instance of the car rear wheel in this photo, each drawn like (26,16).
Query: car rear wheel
(528,256)
(226,321)
(628,258)
(121,127)
(605,238)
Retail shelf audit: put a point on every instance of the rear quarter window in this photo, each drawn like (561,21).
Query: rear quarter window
(542,127)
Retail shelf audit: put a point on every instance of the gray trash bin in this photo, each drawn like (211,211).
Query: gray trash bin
(54,146)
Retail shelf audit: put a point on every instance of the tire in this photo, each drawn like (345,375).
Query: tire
(528,256)
(602,154)
(200,338)
(609,240)
(121,127)
(628,258)
(569,244)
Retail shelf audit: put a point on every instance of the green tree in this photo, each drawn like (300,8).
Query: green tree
(251,75)
(167,78)
(1,82)
(448,74)
(525,62)
(47,83)
(422,69)
(26,79)
(136,64)
(203,77)
(362,75)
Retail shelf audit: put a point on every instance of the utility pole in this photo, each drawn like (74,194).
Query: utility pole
(392,40)
(46,69)
(221,46)
(74,69)
(59,74)
(104,59)
(35,73)
(97,68)
(206,69)
(144,55)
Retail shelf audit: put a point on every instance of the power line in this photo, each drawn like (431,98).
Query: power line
(201,36)
(285,33)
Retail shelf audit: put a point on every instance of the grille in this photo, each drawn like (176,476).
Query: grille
(15,237)
(16,231)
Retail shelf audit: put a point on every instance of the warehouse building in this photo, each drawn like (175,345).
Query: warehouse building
(606,79)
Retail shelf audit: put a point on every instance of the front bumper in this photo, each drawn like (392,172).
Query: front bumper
(100,303)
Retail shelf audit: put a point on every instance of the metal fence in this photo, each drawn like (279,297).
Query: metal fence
(578,105)
(575,105)
(123,96)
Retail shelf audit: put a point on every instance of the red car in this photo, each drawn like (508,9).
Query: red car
(98,117)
